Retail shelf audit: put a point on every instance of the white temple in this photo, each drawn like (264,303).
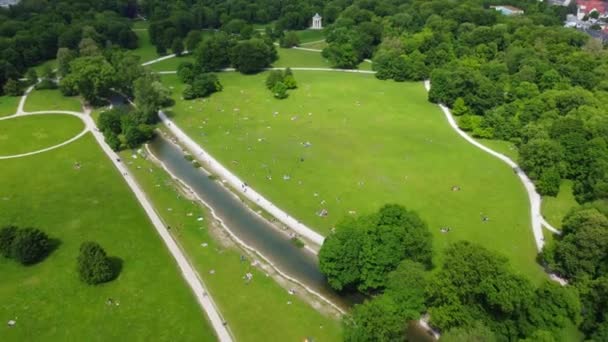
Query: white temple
(316,22)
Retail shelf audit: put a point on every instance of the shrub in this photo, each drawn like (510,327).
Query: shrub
(185,72)
(290,82)
(290,39)
(13,88)
(280,90)
(7,235)
(203,85)
(177,47)
(29,246)
(94,266)
(31,76)
(548,184)
(68,86)
(273,78)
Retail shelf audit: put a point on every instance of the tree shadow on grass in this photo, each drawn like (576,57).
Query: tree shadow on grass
(116,265)
(53,245)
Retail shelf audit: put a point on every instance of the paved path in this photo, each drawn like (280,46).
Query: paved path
(160,59)
(353,71)
(188,272)
(535,199)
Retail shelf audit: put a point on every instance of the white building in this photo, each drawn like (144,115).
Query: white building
(7,3)
(316,22)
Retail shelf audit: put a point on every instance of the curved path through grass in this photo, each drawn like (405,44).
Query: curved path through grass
(188,272)
(30,134)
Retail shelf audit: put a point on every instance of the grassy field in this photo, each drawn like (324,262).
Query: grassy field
(146,50)
(40,67)
(365,66)
(505,147)
(255,312)
(349,143)
(90,203)
(310,35)
(8,105)
(140,25)
(51,100)
(32,133)
(320,45)
(300,58)
(555,208)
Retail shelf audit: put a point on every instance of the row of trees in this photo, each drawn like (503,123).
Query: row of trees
(220,51)
(32,32)
(174,20)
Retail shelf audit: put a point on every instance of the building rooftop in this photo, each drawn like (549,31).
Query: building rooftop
(587,6)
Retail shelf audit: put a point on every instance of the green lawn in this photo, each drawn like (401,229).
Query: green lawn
(320,45)
(50,100)
(250,310)
(310,35)
(300,58)
(555,208)
(90,203)
(365,66)
(371,142)
(32,133)
(146,50)
(140,25)
(501,146)
(8,105)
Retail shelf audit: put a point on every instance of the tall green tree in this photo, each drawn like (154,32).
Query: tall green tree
(252,55)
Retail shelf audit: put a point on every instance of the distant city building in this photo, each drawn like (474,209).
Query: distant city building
(316,22)
(6,3)
(585,7)
(508,10)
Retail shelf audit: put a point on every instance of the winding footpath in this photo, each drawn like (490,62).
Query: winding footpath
(535,209)
(188,272)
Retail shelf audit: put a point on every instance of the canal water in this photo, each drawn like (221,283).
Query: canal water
(257,232)
(253,230)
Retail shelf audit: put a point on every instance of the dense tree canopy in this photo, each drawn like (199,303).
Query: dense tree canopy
(32,31)
(363,251)
(580,254)
(477,285)
(94,266)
